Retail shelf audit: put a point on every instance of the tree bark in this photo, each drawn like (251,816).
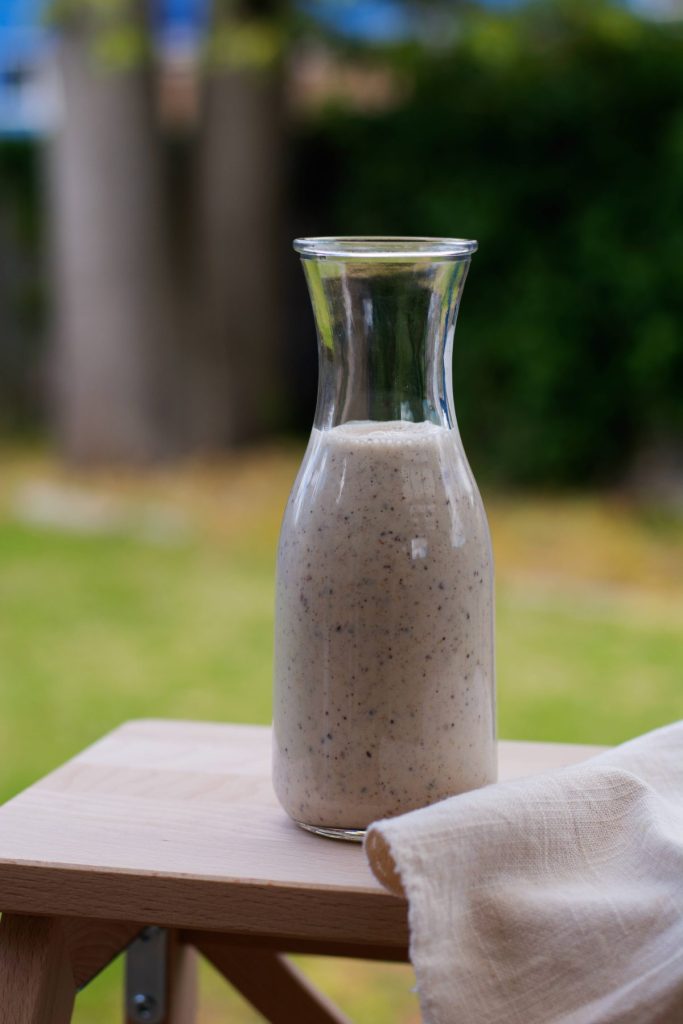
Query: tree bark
(155,355)
(114,397)
(234,380)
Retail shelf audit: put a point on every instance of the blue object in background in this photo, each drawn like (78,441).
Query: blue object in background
(385,21)
(27,93)
(22,33)
(180,24)
(27,100)
(24,93)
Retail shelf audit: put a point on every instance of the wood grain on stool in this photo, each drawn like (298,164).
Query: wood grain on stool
(175,824)
(94,944)
(37,985)
(273,985)
(181,986)
(317,947)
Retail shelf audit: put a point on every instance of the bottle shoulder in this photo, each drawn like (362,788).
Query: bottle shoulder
(413,479)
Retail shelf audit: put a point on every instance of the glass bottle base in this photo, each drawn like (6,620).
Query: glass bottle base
(349,835)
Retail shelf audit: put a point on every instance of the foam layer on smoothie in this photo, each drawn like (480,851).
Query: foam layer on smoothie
(368,432)
(384,670)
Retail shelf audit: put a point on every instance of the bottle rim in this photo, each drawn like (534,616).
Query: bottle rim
(384,247)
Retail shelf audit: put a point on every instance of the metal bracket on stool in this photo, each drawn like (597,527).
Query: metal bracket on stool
(146,976)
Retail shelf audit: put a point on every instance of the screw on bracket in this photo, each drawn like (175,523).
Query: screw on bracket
(146,977)
(143,1006)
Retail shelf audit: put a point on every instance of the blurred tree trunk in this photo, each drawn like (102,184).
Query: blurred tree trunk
(114,392)
(146,364)
(234,374)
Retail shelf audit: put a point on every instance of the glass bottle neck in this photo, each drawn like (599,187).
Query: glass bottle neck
(385,337)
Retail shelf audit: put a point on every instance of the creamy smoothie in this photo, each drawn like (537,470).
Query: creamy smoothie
(384,664)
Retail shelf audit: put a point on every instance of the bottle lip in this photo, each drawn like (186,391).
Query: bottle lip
(384,247)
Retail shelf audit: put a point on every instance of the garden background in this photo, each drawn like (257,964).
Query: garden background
(157,353)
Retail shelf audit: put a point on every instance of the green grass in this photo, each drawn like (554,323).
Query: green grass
(98,628)
(578,671)
(93,631)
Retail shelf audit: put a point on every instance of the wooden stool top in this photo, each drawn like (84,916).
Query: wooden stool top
(176,823)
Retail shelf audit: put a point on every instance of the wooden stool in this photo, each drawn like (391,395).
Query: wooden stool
(165,838)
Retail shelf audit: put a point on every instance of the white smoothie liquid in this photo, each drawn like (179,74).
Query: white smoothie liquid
(384,661)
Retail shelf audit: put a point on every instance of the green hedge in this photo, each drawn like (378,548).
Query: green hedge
(555,137)
(21,288)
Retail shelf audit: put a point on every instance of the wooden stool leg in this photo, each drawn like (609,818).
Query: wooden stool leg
(271,984)
(36,981)
(93,945)
(182,982)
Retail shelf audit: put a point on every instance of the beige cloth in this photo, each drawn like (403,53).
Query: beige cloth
(556,899)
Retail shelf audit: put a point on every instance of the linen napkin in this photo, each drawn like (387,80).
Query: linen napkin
(554,899)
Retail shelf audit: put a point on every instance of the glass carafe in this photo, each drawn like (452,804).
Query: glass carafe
(384,695)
